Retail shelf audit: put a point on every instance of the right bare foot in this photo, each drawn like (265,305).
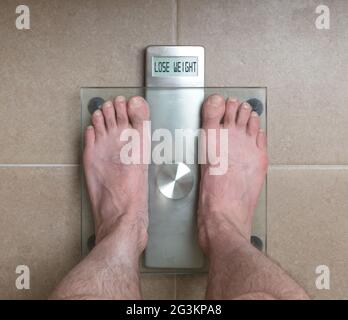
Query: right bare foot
(227,202)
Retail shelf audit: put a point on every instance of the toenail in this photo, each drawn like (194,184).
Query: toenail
(89,127)
(214,100)
(246,106)
(254,114)
(108,104)
(97,113)
(120,99)
(232,99)
(136,102)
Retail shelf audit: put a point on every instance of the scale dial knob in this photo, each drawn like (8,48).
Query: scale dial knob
(175,181)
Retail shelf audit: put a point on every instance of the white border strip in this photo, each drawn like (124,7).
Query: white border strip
(37,165)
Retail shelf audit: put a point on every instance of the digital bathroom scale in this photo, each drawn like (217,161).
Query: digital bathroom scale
(175,92)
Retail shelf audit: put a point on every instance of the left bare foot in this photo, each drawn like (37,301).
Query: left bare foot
(118,191)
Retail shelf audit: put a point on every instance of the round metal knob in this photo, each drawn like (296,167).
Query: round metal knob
(175,181)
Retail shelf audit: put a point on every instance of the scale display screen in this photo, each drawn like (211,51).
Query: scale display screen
(174,66)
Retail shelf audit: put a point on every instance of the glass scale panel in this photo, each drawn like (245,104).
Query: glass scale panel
(172,245)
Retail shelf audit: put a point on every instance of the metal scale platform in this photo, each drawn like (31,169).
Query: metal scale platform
(175,92)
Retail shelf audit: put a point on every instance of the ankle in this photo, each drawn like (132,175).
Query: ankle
(127,237)
(124,252)
(222,243)
(217,232)
(129,224)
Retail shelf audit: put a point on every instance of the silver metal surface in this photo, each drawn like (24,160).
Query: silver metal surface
(175,181)
(172,224)
(172,228)
(175,51)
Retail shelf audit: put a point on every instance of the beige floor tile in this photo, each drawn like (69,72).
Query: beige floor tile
(307,225)
(275,44)
(39,227)
(158,286)
(191,287)
(70,44)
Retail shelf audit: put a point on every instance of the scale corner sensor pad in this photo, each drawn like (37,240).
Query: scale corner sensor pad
(175,93)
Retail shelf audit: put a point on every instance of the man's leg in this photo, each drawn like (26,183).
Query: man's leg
(118,194)
(226,206)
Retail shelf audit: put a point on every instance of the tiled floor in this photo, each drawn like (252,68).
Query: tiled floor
(307,214)
(40,227)
(100,43)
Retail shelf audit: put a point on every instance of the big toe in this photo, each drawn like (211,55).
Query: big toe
(213,111)
(138,111)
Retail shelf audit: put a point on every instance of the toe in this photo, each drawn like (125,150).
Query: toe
(232,105)
(243,115)
(89,137)
(121,111)
(213,111)
(138,111)
(98,123)
(109,115)
(261,140)
(254,124)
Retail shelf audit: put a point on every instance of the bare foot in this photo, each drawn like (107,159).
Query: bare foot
(227,202)
(118,192)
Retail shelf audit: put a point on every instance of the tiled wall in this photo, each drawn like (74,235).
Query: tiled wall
(100,43)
